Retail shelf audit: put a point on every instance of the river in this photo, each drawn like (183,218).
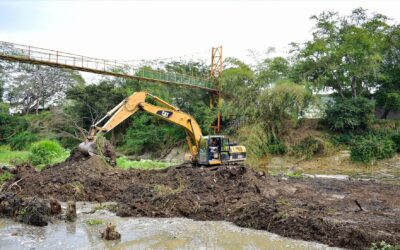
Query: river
(141,233)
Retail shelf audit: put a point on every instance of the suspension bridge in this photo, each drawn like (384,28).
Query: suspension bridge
(35,55)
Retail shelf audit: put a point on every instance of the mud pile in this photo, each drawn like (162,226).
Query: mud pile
(310,209)
(28,210)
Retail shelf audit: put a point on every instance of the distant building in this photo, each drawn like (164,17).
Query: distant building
(317,109)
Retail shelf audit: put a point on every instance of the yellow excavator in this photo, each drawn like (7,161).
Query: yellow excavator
(204,150)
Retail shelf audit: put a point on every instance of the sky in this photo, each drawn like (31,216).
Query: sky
(134,30)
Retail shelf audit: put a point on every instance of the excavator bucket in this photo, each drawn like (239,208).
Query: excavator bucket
(88,148)
(105,149)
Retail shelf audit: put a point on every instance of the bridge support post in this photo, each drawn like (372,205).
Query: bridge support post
(216,72)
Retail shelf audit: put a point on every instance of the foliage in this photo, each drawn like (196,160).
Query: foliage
(396,139)
(390,68)
(38,86)
(311,146)
(46,152)
(150,132)
(124,163)
(259,143)
(5,176)
(370,147)
(389,102)
(9,157)
(345,53)
(342,138)
(10,125)
(276,147)
(383,246)
(281,103)
(273,69)
(91,102)
(255,139)
(240,90)
(22,140)
(347,114)
(94,222)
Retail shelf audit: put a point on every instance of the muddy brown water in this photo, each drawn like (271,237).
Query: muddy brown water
(142,233)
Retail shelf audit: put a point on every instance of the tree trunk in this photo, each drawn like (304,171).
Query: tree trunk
(385,114)
(37,106)
(353,87)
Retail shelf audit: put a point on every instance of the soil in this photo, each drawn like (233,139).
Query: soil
(350,214)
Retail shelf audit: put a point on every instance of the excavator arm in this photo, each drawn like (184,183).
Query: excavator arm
(136,102)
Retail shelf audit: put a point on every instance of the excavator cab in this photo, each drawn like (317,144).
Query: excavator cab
(217,150)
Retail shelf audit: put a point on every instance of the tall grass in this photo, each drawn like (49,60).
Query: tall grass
(124,163)
(9,157)
(12,158)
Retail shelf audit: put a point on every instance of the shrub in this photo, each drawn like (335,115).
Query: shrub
(22,140)
(311,146)
(345,139)
(347,114)
(10,125)
(369,148)
(44,152)
(396,140)
(276,147)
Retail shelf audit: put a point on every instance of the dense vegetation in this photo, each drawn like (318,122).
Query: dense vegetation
(355,57)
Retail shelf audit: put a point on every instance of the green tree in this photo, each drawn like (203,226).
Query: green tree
(273,69)
(388,93)
(346,114)
(30,86)
(241,89)
(345,53)
(91,102)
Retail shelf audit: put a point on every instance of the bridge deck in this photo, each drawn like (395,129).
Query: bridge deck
(35,55)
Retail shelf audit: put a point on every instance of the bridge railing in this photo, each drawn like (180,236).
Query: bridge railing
(68,60)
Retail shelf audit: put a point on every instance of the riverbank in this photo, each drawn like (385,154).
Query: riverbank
(344,213)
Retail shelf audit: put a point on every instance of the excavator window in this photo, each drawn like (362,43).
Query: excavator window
(225,149)
(203,150)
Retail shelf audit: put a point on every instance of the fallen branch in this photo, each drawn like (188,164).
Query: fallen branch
(359,206)
(15,184)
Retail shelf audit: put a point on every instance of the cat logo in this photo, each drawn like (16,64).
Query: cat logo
(166,114)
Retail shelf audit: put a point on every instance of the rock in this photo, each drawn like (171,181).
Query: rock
(110,233)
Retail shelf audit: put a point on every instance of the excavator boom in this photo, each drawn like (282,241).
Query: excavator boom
(136,102)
